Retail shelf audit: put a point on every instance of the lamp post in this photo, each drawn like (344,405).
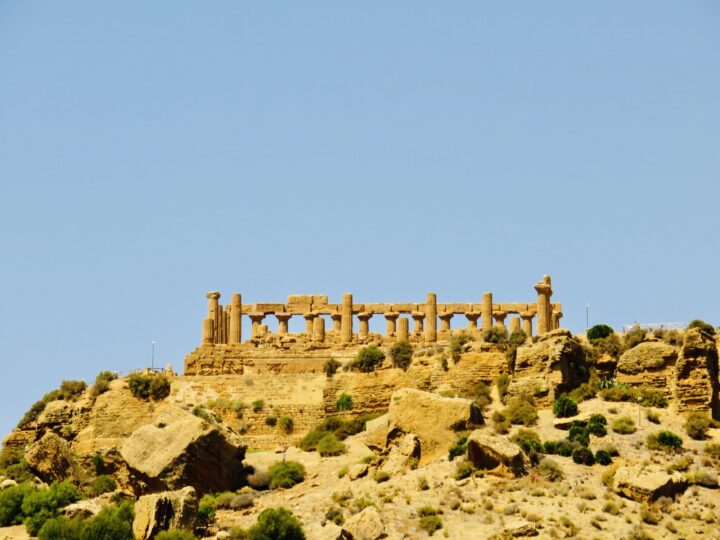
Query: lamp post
(152,358)
(587,317)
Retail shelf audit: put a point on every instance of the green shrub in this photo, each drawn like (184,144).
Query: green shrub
(457,345)
(11,500)
(673,337)
(480,394)
(458,448)
(368,359)
(111,523)
(71,390)
(664,440)
(599,331)
(329,445)
(139,385)
(697,425)
(258,405)
(521,411)
(566,448)
(62,528)
(271,420)
(32,414)
(276,524)
(565,407)
(652,398)
(176,534)
(159,386)
(463,469)
(287,424)
(102,382)
(496,334)
(528,440)
(401,354)
(586,390)
(579,433)
(652,416)
(603,457)
(502,383)
(632,337)
(712,450)
(517,339)
(623,425)
(550,470)
(331,367)
(429,520)
(102,484)
(583,456)
(596,425)
(335,515)
(14,466)
(41,505)
(344,402)
(310,441)
(285,474)
(703,326)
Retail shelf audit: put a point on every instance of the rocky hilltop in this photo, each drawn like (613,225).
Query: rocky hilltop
(484,434)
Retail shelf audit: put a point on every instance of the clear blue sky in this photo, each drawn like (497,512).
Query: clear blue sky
(151,151)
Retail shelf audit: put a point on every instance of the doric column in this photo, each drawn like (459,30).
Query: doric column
(346,320)
(514,324)
(472,319)
(544,290)
(283,319)
(235,319)
(319,329)
(445,321)
(556,316)
(364,324)
(309,318)
(208,331)
(431,318)
(527,317)
(418,318)
(214,312)
(403,327)
(390,319)
(336,322)
(486,311)
(256,318)
(500,318)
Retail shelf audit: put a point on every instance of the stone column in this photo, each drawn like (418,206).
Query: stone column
(544,290)
(417,321)
(472,319)
(220,328)
(256,318)
(556,316)
(213,312)
(486,311)
(403,326)
(235,319)
(390,319)
(514,324)
(500,318)
(309,318)
(283,319)
(208,331)
(336,322)
(431,318)
(364,324)
(527,317)
(346,320)
(445,321)
(319,329)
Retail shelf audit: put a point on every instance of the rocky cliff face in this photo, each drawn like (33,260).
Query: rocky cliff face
(696,374)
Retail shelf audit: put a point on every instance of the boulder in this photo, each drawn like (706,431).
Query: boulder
(406,449)
(434,419)
(82,509)
(553,365)
(518,528)
(180,449)
(650,364)
(696,374)
(52,459)
(376,432)
(55,415)
(365,525)
(648,483)
(164,511)
(493,452)
(358,470)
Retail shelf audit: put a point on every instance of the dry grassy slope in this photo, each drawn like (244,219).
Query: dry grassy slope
(580,506)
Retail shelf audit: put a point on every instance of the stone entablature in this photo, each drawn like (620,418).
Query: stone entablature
(350,320)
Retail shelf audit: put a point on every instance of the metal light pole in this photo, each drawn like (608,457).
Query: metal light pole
(152,358)
(587,317)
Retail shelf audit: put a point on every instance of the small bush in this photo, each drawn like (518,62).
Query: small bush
(159,387)
(287,424)
(712,450)
(632,337)
(596,425)
(71,390)
(664,440)
(550,470)
(177,534)
(276,524)
(329,445)
(11,500)
(41,505)
(521,411)
(652,416)
(517,339)
(673,337)
(368,359)
(603,457)
(62,528)
(652,398)
(149,386)
(285,474)
(496,334)
(335,515)
(583,456)
(401,354)
(258,405)
(344,402)
(102,382)
(382,476)
(565,407)
(697,425)
(618,393)
(502,383)
(102,484)
(331,366)
(463,469)
(457,345)
(681,464)
(458,448)
(271,420)
(623,425)
(599,331)
(579,433)
(528,440)
(430,524)
(703,326)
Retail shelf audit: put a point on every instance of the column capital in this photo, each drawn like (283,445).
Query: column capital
(443,316)
(364,316)
(472,316)
(213,295)
(310,315)
(256,316)
(529,315)
(417,315)
(391,315)
(283,316)
(500,315)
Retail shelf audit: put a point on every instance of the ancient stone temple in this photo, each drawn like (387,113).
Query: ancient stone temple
(236,335)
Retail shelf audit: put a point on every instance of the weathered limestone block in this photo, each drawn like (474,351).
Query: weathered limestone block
(52,459)
(553,365)
(492,452)
(376,431)
(164,511)
(649,364)
(55,414)
(404,450)
(435,420)
(365,525)
(180,449)
(696,374)
(357,470)
(648,482)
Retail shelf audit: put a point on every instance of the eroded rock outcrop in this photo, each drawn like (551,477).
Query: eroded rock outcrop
(365,525)
(650,363)
(491,452)
(180,449)
(696,374)
(164,511)
(52,459)
(648,483)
